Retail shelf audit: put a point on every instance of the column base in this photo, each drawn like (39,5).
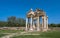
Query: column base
(38,29)
(25,29)
(31,29)
(44,30)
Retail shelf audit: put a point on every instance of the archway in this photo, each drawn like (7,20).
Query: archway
(34,22)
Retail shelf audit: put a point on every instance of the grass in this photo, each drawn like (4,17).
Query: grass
(49,34)
(10,31)
(2,34)
(7,32)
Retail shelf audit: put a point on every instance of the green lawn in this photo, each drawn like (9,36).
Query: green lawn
(49,34)
(7,32)
(3,35)
(10,31)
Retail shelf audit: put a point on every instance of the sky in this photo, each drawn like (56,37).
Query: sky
(19,8)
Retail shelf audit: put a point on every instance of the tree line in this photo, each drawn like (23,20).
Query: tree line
(19,22)
(13,22)
(54,25)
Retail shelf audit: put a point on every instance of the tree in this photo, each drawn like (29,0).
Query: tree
(52,25)
(11,21)
(15,22)
(58,25)
(3,23)
(21,21)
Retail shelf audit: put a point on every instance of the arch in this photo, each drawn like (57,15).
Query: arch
(35,15)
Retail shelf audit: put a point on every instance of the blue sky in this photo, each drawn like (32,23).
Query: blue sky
(19,8)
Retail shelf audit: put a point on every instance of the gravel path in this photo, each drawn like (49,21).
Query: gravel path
(12,34)
(18,34)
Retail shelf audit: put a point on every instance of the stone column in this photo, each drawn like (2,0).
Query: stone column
(26,24)
(31,25)
(38,27)
(44,23)
(47,23)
